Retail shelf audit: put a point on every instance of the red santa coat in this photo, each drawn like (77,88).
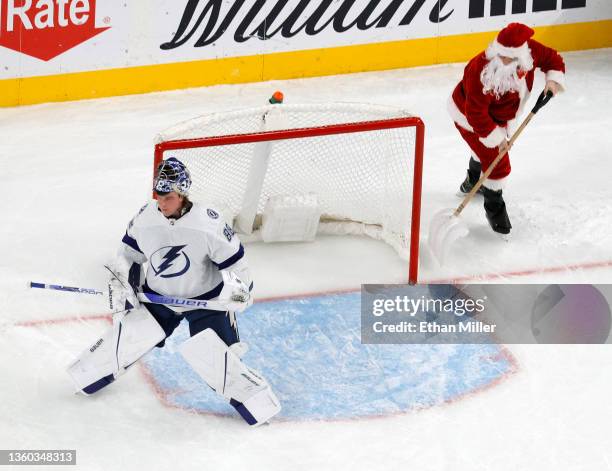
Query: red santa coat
(487,116)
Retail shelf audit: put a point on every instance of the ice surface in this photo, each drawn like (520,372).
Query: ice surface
(73,174)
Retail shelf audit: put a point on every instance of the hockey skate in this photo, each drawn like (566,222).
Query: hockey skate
(472,177)
(495,209)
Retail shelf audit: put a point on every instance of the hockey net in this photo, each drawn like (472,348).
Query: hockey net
(362,162)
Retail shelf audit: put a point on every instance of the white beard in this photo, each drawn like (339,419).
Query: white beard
(500,79)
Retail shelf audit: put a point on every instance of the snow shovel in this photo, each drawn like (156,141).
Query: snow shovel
(446,226)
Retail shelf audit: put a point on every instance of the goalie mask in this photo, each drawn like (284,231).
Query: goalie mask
(172,175)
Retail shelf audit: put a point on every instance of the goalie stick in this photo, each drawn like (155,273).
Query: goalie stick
(142,297)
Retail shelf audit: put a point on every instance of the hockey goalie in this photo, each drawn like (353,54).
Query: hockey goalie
(191,253)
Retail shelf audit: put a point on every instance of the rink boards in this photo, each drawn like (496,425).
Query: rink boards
(97,49)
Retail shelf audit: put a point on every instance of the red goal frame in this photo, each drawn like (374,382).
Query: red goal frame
(344,128)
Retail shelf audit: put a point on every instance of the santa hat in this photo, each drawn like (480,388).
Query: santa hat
(512,42)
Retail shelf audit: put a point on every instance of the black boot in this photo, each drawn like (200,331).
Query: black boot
(495,207)
(473,175)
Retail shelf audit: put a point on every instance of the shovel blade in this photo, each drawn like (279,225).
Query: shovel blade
(445,228)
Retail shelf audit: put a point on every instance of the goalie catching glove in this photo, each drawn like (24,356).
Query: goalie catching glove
(121,295)
(235,292)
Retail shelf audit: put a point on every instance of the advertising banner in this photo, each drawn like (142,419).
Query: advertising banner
(227,40)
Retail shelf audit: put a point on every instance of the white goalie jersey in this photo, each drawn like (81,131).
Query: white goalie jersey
(185,256)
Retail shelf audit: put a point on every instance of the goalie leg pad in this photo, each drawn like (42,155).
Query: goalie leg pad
(220,366)
(223,323)
(115,351)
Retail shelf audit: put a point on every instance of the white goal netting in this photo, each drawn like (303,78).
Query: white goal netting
(364,180)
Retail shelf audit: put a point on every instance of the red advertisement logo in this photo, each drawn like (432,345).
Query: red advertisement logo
(47,28)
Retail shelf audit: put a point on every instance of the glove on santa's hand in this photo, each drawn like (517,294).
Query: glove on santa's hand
(552,86)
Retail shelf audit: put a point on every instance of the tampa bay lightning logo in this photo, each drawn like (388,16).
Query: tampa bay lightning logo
(170,261)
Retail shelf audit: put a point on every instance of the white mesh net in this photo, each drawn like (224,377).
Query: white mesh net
(363,180)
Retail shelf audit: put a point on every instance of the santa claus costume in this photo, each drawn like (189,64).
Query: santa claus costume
(491,95)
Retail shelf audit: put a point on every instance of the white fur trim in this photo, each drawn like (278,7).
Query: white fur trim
(457,116)
(498,184)
(495,138)
(522,53)
(557,76)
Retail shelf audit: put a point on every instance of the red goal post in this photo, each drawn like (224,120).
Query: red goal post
(354,197)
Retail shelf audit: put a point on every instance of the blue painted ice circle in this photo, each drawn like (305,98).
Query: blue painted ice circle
(309,350)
